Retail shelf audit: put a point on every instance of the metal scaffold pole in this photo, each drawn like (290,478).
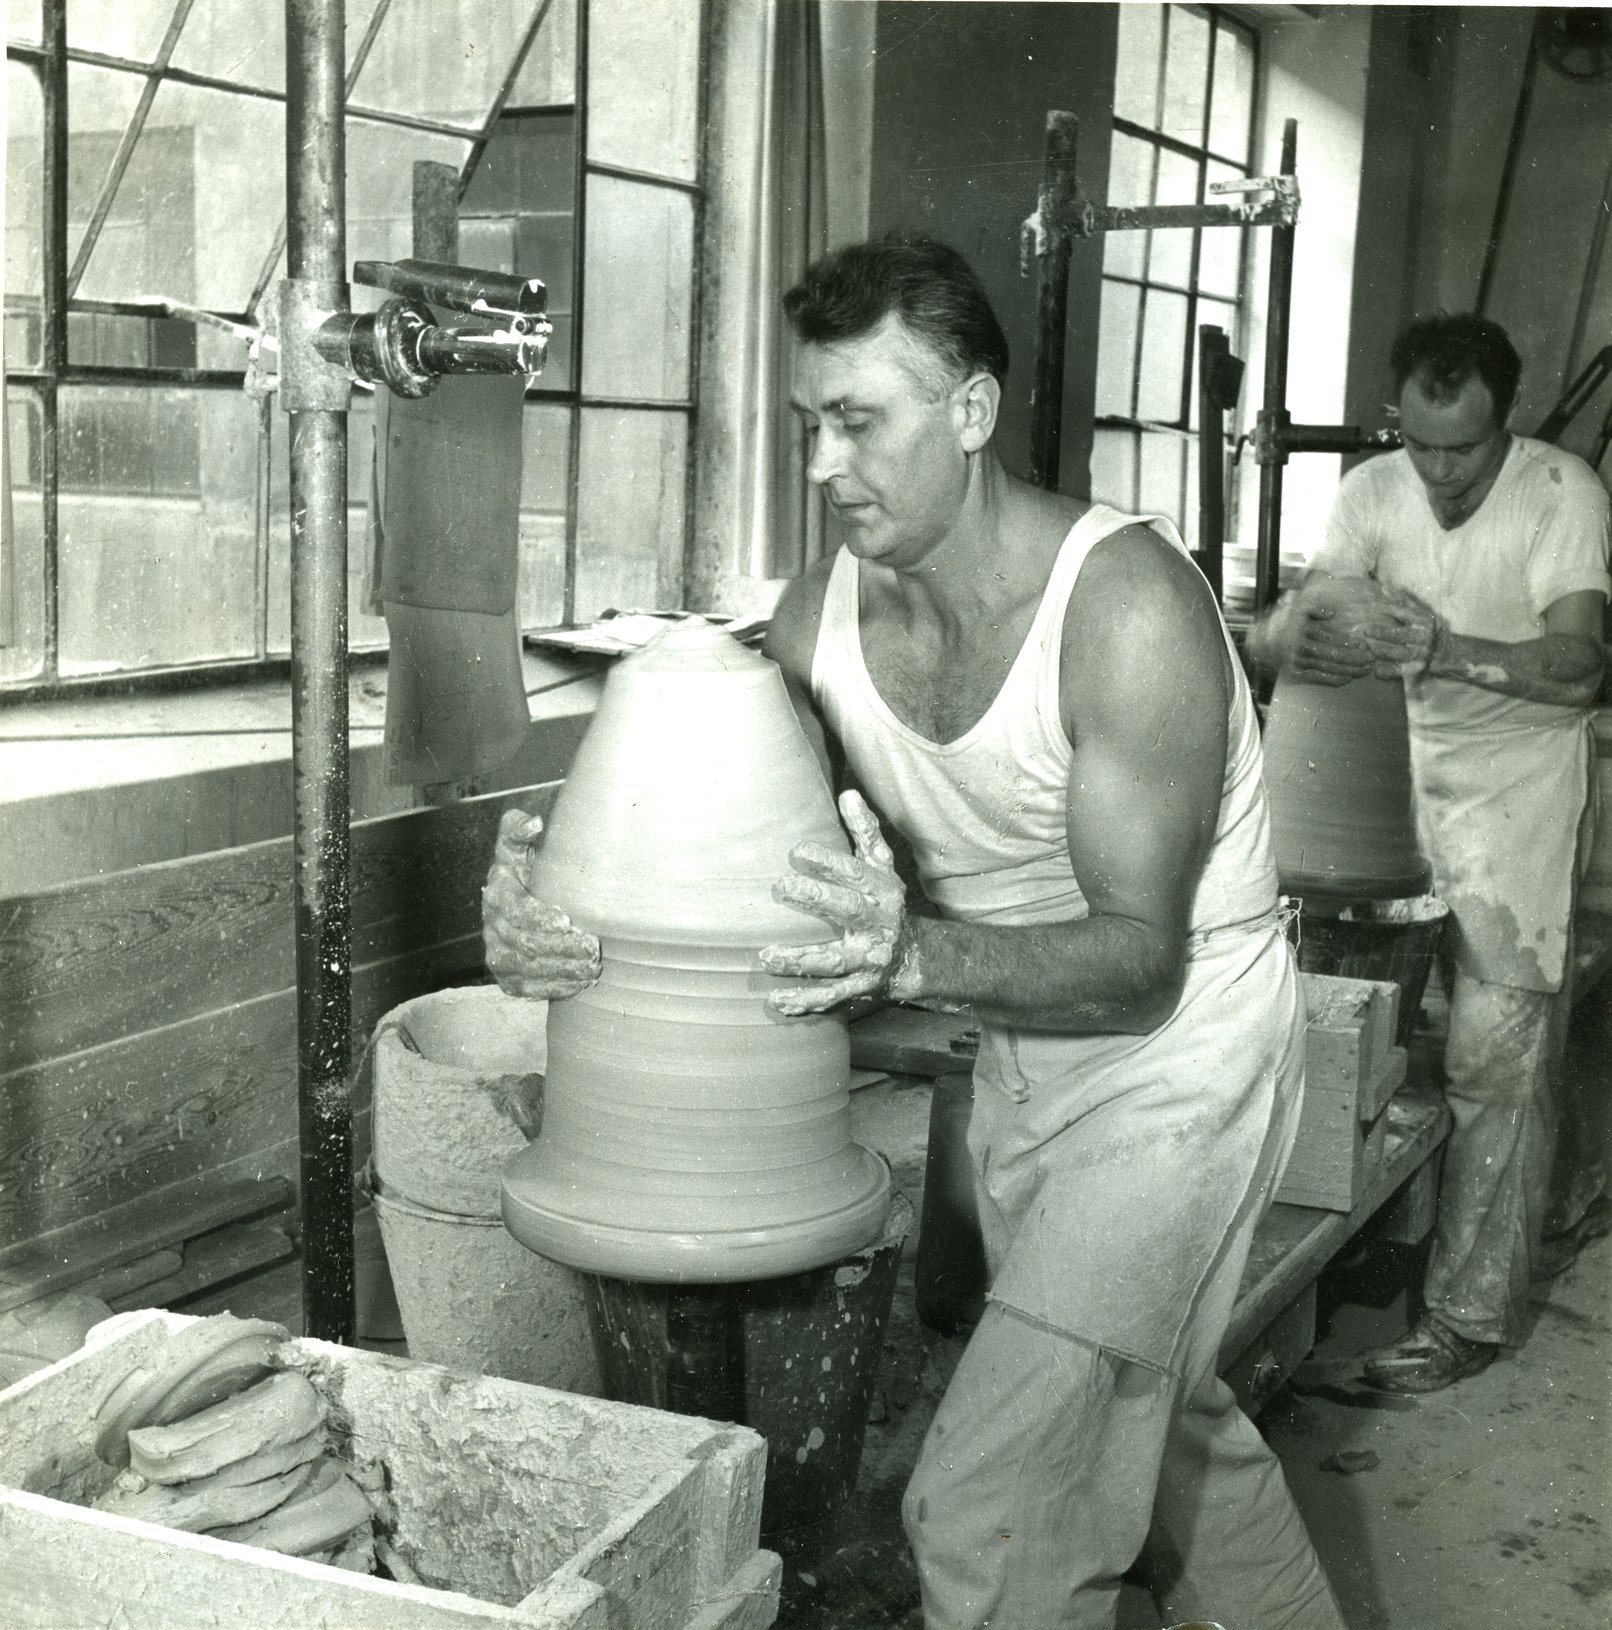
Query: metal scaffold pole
(316,396)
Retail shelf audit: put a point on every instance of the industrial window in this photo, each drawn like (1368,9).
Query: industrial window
(1183,120)
(145,158)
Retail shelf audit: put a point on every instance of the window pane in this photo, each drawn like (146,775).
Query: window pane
(380,191)
(517,215)
(1170,250)
(643,86)
(1164,340)
(244,40)
(198,205)
(23,20)
(639,269)
(119,28)
(545,452)
(548,77)
(365,632)
(1136,74)
(630,510)
(1130,183)
(25,227)
(1116,349)
(24,545)
(1113,467)
(1232,109)
(100,103)
(1186,76)
(157,556)
(444,59)
(1162,465)
(1220,257)
(241,40)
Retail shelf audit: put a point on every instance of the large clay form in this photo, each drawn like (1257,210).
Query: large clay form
(1337,772)
(690,1134)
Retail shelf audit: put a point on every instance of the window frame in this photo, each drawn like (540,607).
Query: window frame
(1202,156)
(41,384)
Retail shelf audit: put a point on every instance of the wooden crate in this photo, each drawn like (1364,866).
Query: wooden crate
(1349,1033)
(516,1506)
(1333,1155)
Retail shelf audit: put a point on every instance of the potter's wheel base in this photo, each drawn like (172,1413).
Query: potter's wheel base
(569,1225)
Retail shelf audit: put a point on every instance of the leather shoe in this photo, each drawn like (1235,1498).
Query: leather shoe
(1558,1252)
(1427,1357)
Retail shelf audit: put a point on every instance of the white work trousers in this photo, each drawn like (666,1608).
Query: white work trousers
(1520,1161)
(1052,1465)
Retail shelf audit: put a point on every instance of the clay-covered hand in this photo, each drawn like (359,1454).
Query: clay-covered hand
(532,948)
(1348,627)
(861,896)
(1422,631)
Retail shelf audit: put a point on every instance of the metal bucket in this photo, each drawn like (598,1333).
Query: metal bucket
(1378,939)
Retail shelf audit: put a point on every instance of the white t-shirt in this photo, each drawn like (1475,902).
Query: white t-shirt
(1501,782)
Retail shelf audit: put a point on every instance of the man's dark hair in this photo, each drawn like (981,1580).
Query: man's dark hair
(929,286)
(1443,352)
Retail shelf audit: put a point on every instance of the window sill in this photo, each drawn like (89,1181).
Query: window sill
(89,786)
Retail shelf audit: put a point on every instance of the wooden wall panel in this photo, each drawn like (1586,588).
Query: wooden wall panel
(100,1105)
(94,962)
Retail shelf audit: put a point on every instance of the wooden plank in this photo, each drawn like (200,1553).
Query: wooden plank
(1408,1218)
(1382,1086)
(91,962)
(1293,1243)
(70,1256)
(1273,1355)
(106,1126)
(61,1564)
(212,1261)
(749,1600)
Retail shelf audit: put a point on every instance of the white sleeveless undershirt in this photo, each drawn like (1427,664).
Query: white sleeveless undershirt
(986,813)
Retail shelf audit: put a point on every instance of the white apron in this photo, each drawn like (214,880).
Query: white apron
(1110,1166)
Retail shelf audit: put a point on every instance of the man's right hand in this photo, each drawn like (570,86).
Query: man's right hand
(532,949)
(1341,628)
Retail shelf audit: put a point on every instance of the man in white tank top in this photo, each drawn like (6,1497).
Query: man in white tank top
(1039,697)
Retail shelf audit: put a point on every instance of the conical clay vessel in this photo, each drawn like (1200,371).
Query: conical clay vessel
(691,1134)
(1338,776)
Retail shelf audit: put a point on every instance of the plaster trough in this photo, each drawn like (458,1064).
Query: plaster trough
(515,1506)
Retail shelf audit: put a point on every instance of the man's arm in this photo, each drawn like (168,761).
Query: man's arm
(1336,628)
(1145,701)
(1563,666)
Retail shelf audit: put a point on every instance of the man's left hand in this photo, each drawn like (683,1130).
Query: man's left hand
(861,896)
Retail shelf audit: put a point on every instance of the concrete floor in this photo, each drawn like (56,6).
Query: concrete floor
(1485,1507)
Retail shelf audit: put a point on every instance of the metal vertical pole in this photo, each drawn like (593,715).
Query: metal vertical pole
(1279,309)
(53,88)
(317,404)
(1212,348)
(1056,207)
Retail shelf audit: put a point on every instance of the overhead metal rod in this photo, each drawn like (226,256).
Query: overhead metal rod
(316,397)
(1273,418)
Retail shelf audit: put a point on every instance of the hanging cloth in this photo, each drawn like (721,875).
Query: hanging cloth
(446,563)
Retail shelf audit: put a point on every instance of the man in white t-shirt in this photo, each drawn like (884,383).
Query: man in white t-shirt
(1475,563)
